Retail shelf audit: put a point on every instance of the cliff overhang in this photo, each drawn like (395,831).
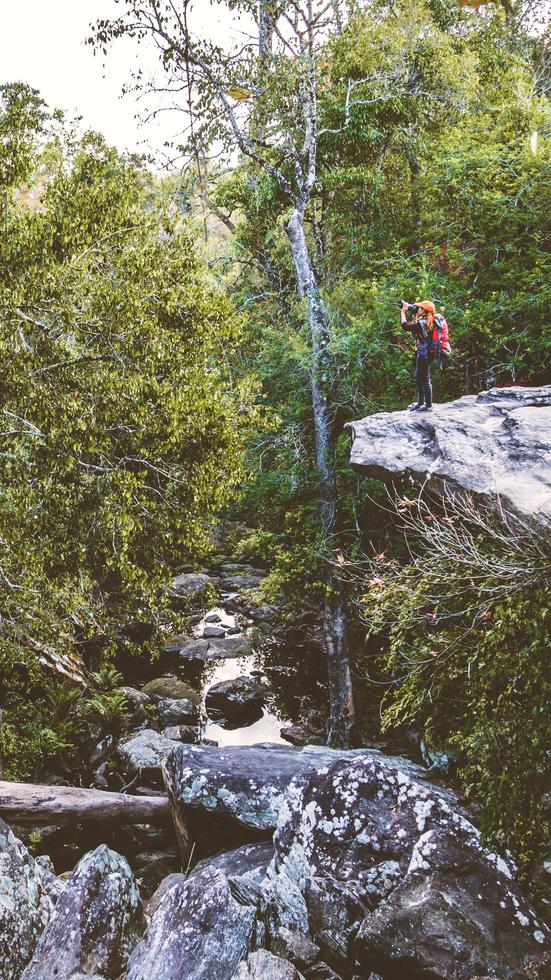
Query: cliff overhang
(495,445)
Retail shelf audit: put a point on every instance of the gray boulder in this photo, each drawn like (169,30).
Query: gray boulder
(263,965)
(143,753)
(188,647)
(236,698)
(453,923)
(228,647)
(356,835)
(224,647)
(86,976)
(282,905)
(295,946)
(321,971)
(237,791)
(182,733)
(190,585)
(239,567)
(175,878)
(28,892)
(97,921)
(212,631)
(334,911)
(495,445)
(235,583)
(236,576)
(251,860)
(177,711)
(197,930)
(301,735)
(244,867)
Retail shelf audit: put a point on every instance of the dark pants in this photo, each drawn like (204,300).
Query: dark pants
(422,380)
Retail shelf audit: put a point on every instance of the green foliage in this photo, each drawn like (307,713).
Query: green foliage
(121,429)
(464,632)
(64,722)
(297,575)
(22,119)
(107,705)
(429,189)
(127,391)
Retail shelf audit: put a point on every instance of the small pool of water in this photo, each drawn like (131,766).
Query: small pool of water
(265,729)
(295,673)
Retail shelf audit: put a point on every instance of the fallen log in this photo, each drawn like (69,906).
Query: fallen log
(29,805)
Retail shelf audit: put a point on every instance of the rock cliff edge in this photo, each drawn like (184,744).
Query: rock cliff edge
(496,445)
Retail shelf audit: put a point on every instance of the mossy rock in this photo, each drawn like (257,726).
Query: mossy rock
(170,687)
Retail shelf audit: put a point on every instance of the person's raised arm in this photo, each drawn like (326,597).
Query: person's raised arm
(404,316)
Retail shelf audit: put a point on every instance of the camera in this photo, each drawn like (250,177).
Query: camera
(412,307)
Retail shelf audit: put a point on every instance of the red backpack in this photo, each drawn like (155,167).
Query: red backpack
(440,340)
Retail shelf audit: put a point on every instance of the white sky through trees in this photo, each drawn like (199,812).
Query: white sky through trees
(42,43)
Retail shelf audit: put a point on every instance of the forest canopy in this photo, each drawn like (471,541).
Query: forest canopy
(185,349)
(121,429)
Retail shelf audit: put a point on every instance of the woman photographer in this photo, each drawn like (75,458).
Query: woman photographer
(422,328)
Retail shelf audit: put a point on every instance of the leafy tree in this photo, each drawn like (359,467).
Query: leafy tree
(121,430)
(279,103)
(459,641)
(22,118)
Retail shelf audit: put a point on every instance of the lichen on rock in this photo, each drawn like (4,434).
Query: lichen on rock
(27,898)
(97,921)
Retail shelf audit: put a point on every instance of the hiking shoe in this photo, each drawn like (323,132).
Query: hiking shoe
(415,407)
(426,408)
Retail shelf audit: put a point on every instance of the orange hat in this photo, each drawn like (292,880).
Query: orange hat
(427,305)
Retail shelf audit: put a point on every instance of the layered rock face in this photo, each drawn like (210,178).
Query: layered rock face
(395,881)
(495,444)
(27,896)
(97,922)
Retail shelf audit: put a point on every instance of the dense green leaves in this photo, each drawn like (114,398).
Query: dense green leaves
(122,420)
(120,429)
(461,635)
(433,184)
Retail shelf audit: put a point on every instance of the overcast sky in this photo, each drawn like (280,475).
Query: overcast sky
(42,43)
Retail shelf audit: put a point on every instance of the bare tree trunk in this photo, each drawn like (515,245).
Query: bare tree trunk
(338,664)
(265,31)
(320,369)
(340,682)
(31,805)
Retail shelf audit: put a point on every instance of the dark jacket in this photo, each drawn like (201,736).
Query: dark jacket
(420,332)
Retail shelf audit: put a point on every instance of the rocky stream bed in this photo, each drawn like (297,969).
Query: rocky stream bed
(271,860)
(278,862)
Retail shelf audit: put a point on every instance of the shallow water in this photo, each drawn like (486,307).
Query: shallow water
(266,729)
(296,678)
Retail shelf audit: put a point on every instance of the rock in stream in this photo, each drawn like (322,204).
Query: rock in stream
(28,892)
(197,931)
(236,699)
(97,921)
